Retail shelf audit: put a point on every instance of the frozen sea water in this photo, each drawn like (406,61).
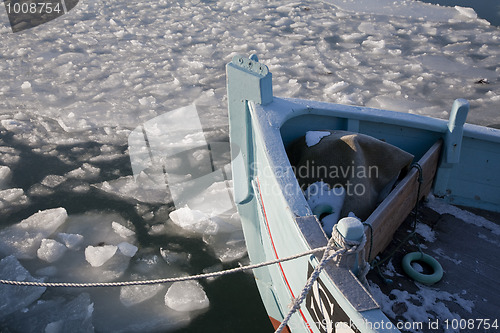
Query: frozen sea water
(74,89)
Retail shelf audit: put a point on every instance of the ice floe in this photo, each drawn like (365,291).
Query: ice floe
(15,298)
(127,249)
(24,238)
(5,176)
(131,295)
(12,199)
(98,255)
(186,296)
(50,250)
(122,230)
(62,314)
(72,241)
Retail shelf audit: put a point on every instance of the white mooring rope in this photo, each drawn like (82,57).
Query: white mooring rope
(337,240)
(346,246)
(159,281)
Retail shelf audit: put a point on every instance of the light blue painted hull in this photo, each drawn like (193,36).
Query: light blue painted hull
(276,216)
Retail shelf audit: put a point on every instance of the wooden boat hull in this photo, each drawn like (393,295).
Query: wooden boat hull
(278,222)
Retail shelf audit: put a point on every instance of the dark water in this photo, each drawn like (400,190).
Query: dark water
(486,9)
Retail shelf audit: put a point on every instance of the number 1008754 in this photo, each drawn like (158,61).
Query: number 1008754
(33,7)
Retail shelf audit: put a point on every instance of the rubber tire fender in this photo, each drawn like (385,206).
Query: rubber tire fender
(428,279)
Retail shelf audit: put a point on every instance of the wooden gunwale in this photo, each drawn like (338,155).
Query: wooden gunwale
(391,213)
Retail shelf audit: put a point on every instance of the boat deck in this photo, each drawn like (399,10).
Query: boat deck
(468,293)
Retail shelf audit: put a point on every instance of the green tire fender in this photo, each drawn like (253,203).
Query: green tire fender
(427,279)
(322,209)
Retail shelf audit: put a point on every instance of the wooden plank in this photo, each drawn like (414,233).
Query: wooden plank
(389,215)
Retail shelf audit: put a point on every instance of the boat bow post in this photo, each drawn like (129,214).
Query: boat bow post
(452,146)
(247,80)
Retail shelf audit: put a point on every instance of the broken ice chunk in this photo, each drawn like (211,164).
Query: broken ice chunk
(24,238)
(157,229)
(86,171)
(70,240)
(194,221)
(53,180)
(55,315)
(127,249)
(96,228)
(14,298)
(227,247)
(147,264)
(102,268)
(51,250)
(144,188)
(12,197)
(54,327)
(131,295)
(122,230)
(186,296)
(175,258)
(5,176)
(98,255)
(26,86)
(212,269)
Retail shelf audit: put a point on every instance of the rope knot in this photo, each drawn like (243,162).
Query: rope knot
(350,245)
